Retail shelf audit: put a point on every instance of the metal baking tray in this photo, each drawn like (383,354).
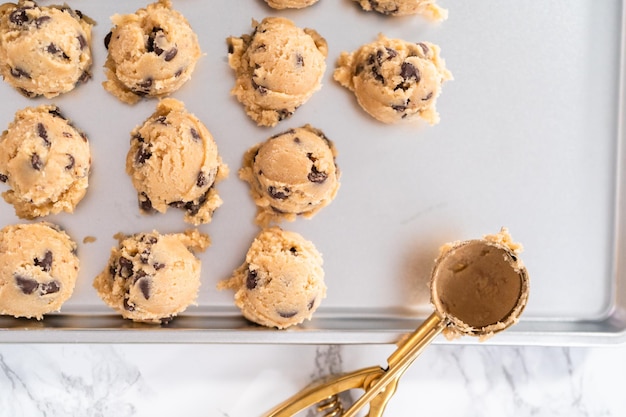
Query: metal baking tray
(531,137)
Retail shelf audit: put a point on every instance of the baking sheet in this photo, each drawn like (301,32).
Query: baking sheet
(530,138)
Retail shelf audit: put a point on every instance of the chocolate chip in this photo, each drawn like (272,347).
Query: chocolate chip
(51,287)
(316,176)
(138,137)
(294,251)
(107,40)
(408,72)
(377,75)
(27,285)
(144,202)
(72,162)
(287,314)
(278,194)
(161,119)
(391,52)
(195,135)
(252,280)
(399,107)
(143,154)
(128,306)
(55,50)
(283,114)
(261,90)
(311,304)
(428,97)
(158,266)
(56,112)
(36,162)
(43,134)
(145,285)
(147,83)
(297,140)
(424,47)
(19,73)
(18,17)
(83,77)
(82,41)
(144,257)
(41,20)
(202,180)
(125,269)
(45,263)
(151,45)
(231,48)
(27,93)
(178,72)
(299,61)
(171,54)
(3,178)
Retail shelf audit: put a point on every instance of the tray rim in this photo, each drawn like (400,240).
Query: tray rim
(607,330)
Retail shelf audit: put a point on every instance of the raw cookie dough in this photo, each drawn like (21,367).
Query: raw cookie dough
(290,4)
(292,173)
(173,161)
(151,53)
(480,286)
(152,277)
(426,8)
(278,68)
(393,79)
(45,161)
(281,282)
(38,269)
(44,50)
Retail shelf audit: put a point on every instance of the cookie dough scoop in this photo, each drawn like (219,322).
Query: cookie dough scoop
(478,287)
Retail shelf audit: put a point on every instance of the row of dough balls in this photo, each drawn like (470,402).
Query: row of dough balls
(392,79)
(173,162)
(152,277)
(426,8)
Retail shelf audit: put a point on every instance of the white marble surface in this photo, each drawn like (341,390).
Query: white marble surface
(246,380)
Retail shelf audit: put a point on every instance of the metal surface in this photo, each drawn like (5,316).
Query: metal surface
(531,137)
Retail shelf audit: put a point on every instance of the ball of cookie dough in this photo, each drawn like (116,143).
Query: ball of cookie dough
(45,161)
(290,4)
(152,277)
(38,269)
(277,68)
(173,162)
(44,50)
(393,79)
(152,52)
(426,8)
(292,173)
(281,282)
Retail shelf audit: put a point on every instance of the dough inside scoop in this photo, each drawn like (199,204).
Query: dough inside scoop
(479,286)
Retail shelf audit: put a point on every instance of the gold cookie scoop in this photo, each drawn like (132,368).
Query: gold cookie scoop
(478,288)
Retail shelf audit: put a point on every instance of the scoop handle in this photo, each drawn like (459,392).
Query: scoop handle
(400,360)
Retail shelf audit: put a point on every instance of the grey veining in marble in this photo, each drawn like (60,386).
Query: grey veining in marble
(245,381)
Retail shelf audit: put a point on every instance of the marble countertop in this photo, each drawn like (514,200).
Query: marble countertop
(247,380)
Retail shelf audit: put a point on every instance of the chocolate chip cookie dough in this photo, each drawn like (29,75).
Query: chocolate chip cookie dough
(173,162)
(290,4)
(45,161)
(38,269)
(278,68)
(281,282)
(152,277)
(152,52)
(426,8)
(394,79)
(292,173)
(44,50)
